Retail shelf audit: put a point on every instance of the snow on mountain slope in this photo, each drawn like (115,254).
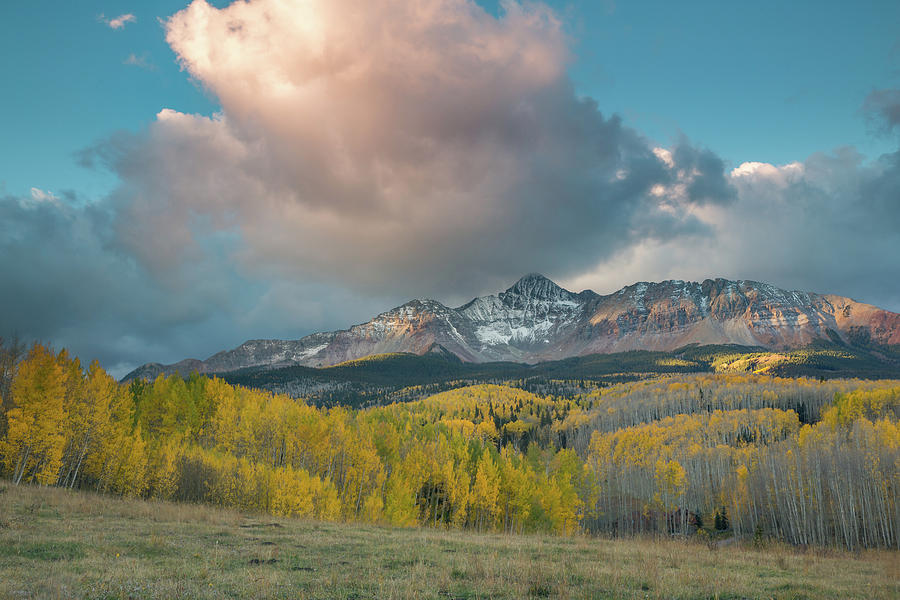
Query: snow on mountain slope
(536,320)
(531,312)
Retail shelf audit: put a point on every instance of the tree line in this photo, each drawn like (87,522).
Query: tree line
(800,460)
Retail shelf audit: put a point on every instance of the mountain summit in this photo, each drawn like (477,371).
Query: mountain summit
(536,320)
(535,285)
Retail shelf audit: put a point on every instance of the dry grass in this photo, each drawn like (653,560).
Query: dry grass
(58,544)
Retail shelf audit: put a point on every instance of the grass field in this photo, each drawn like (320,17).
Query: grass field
(59,544)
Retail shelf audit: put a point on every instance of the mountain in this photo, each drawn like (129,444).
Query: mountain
(535,320)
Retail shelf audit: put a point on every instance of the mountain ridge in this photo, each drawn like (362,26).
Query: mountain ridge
(536,320)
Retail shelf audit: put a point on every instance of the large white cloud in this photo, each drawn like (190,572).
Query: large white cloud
(383,143)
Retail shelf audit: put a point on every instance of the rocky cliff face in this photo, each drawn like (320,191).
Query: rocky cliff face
(536,320)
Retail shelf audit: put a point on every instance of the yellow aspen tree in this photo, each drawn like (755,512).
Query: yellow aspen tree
(372,508)
(400,500)
(485,493)
(128,467)
(88,416)
(35,438)
(162,468)
(291,493)
(515,491)
(119,462)
(327,501)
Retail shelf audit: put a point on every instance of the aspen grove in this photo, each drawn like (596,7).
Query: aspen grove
(805,461)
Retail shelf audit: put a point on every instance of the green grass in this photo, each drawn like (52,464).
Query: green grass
(59,544)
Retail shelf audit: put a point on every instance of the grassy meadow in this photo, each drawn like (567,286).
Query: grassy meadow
(65,544)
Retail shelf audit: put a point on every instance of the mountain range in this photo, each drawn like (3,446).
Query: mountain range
(536,320)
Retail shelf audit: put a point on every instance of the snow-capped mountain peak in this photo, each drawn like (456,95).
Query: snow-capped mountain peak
(529,313)
(536,286)
(536,320)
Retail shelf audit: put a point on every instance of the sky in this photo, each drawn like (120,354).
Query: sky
(177,178)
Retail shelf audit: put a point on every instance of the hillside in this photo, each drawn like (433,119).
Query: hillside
(535,321)
(754,455)
(382,379)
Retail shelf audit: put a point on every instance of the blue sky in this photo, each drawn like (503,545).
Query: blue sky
(320,161)
(67,85)
(767,80)
(764,81)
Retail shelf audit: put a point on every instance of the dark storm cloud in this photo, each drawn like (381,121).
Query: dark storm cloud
(832,227)
(66,283)
(68,280)
(709,183)
(829,224)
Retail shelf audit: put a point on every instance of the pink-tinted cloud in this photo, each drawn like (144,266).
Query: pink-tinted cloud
(141,61)
(118,22)
(388,142)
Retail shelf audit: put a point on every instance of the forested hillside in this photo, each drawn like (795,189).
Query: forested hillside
(396,377)
(804,460)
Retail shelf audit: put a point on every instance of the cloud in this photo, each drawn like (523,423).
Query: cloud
(781,175)
(882,107)
(141,61)
(427,145)
(829,224)
(68,281)
(117,22)
(368,152)
(39,195)
(61,280)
